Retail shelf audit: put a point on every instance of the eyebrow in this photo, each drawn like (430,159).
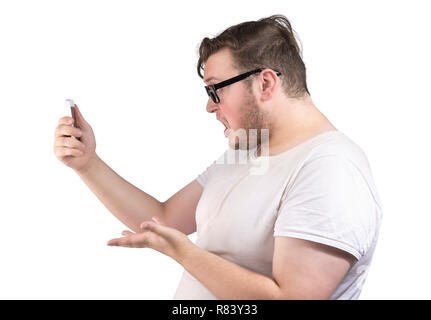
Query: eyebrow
(210,78)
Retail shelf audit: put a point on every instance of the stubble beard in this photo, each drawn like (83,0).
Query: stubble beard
(252,120)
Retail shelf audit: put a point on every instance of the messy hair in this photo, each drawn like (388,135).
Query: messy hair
(270,43)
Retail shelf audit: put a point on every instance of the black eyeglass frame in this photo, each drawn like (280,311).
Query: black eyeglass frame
(212,88)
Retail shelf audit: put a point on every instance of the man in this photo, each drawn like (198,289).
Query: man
(304,227)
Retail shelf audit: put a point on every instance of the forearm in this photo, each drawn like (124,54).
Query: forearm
(125,201)
(227,280)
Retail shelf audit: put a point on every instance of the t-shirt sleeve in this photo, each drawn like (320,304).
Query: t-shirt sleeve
(204,176)
(328,202)
(208,173)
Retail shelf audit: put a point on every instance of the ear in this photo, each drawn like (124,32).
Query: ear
(267,83)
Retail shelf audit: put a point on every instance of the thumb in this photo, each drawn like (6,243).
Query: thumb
(148,224)
(81,123)
(156,226)
(157,220)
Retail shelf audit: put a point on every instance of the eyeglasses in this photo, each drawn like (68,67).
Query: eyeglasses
(212,88)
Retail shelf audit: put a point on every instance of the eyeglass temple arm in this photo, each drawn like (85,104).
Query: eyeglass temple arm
(240,77)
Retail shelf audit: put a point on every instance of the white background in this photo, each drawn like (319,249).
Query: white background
(131,68)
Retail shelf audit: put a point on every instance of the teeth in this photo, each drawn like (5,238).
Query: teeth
(227,132)
(226,128)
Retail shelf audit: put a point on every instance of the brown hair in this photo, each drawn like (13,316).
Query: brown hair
(269,42)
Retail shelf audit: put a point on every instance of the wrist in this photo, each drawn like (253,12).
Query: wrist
(92,162)
(187,253)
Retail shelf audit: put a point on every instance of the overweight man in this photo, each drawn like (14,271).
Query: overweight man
(290,209)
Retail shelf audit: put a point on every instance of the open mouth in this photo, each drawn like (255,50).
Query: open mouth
(226,130)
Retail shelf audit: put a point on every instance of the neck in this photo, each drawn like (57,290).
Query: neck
(294,122)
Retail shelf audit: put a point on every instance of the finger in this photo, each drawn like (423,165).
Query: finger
(79,117)
(119,242)
(144,224)
(157,228)
(69,142)
(67,130)
(61,152)
(65,120)
(134,240)
(127,233)
(156,220)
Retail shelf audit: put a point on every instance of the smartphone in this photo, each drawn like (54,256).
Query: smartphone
(71,104)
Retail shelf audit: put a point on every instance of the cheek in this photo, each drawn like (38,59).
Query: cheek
(232,116)
(232,110)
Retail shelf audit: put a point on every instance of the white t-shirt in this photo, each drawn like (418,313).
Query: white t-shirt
(321,190)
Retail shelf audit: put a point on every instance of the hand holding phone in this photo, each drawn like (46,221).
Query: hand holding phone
(75,149)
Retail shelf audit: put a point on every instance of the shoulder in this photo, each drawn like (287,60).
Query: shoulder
(342,162)
(333,157)
(339,147)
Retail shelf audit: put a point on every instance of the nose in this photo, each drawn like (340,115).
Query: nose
(211,106)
